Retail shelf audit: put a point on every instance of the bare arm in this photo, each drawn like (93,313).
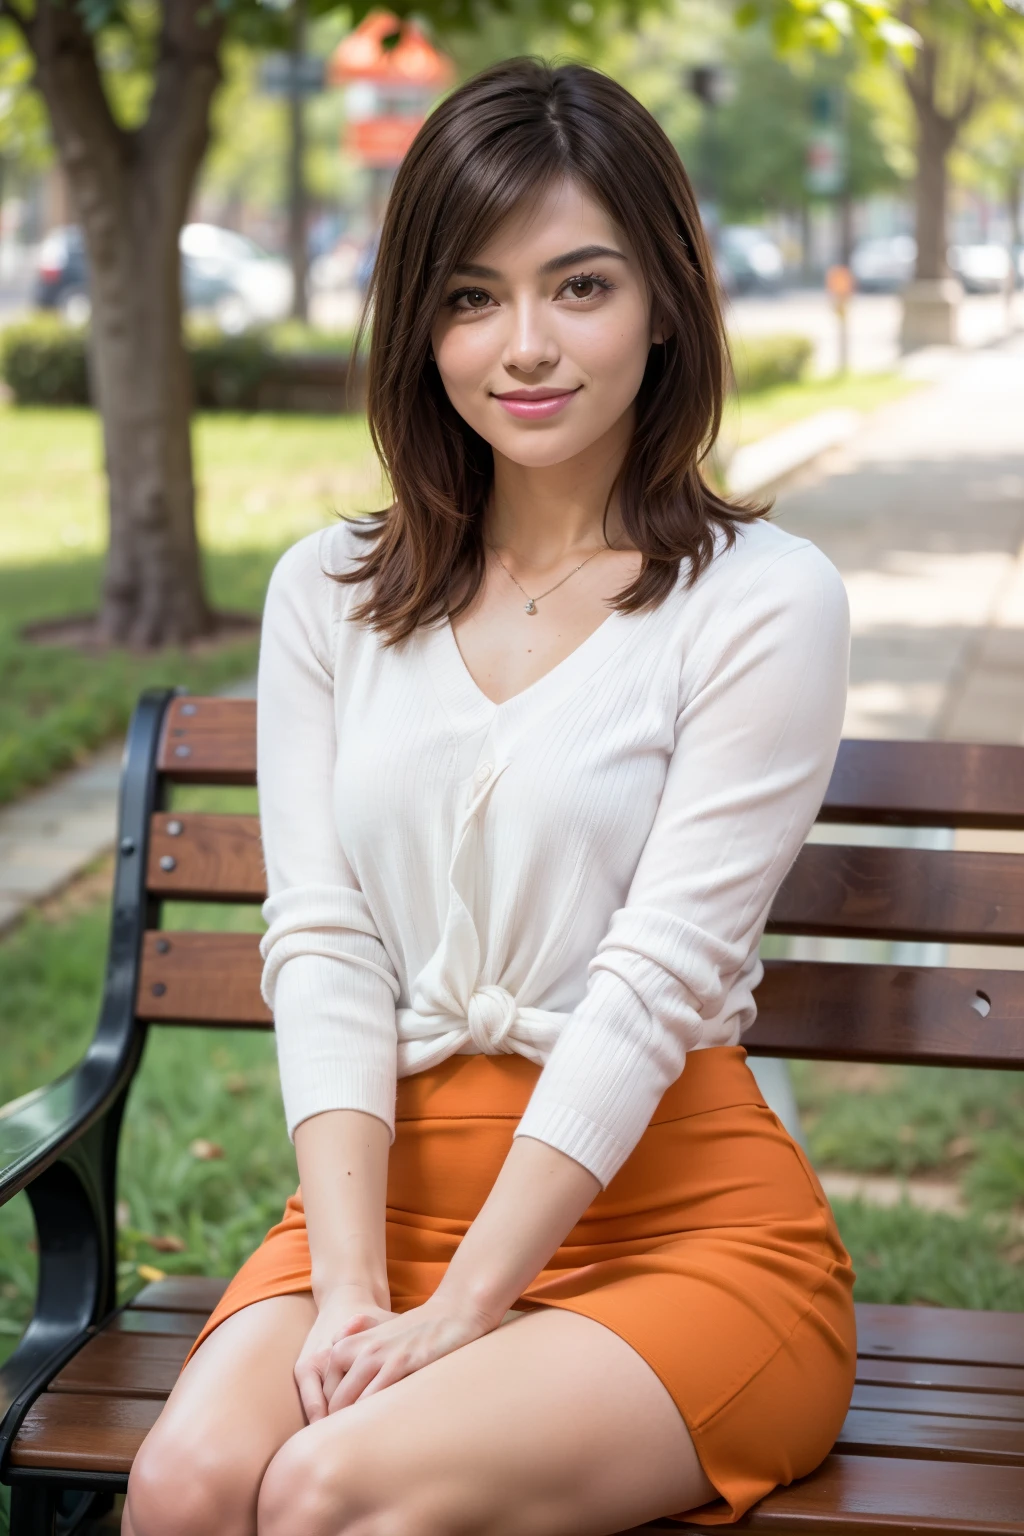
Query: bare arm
(343,1162)
(536,1200)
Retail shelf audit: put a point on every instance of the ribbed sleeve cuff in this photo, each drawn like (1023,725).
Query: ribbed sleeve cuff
(569,1131)
(342,1086)
(604,1078)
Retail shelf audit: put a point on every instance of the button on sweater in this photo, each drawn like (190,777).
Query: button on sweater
(581,874)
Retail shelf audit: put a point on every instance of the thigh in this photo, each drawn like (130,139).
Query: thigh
(230,1411)
(549,1424)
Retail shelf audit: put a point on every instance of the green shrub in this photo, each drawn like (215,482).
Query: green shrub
(761,362)
(227,371)
(43,362)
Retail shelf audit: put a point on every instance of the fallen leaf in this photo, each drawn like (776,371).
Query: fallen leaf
(960,1146)
(168,1244)
(237,1083)
(206,1151)
(150,1272)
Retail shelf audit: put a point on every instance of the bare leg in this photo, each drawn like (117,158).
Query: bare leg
(199,1469)
(548,1426)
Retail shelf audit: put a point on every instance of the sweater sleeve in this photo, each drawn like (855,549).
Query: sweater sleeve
(326,975)
(762,702)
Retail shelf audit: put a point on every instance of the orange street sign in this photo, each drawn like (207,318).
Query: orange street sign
(839,282)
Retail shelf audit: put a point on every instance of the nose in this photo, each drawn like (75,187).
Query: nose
(531,342)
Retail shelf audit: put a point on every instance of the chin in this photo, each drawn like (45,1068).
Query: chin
(536,448)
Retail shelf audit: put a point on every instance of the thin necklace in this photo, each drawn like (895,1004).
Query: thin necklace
(531,602)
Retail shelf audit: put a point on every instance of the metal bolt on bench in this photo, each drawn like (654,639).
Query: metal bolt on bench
(934,1441)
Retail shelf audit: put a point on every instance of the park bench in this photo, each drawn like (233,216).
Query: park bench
(934,1441)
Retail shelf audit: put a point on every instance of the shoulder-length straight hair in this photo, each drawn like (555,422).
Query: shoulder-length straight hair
(490,147)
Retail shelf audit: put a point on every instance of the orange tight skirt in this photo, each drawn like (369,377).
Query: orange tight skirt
(712,1252)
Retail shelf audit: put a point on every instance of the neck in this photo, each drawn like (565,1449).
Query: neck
(544,515)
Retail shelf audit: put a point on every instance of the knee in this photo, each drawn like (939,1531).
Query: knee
(182,1485)
(346,1488)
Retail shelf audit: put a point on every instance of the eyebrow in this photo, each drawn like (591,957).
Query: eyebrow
(569,259)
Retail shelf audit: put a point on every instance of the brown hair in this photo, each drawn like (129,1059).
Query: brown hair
(491,145)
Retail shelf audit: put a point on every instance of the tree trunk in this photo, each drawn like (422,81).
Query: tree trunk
(130,193)
(1014,191)
(936,133)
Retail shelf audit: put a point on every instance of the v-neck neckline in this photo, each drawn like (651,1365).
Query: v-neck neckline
(466,701)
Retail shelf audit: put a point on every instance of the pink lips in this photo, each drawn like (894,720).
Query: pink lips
(535,404)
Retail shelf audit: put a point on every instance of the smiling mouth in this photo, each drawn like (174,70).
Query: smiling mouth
(536,404)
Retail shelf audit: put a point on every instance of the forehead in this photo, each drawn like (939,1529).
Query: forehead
(562,217)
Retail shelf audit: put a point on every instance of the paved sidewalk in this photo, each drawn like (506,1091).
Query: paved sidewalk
(49,837)
(923,513)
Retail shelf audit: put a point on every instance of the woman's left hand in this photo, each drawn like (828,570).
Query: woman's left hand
(369,1355)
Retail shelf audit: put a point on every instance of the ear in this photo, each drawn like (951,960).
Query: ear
(659,330)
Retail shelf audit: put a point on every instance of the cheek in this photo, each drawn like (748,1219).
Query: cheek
(463,354)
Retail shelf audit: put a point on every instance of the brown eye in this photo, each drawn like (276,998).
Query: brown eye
(582,287)
(476,298)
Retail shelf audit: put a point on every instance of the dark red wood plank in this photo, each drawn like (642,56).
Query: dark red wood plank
(903,893)
(119,1363)
(949,1334)
(209,741)
(927,783)
(182,1293)
(194,856)
(84,1432)
(883,1371)
(926,1014)
(965,1405)
(202,978)
(994,1441)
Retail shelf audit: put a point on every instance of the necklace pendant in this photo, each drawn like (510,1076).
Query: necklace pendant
(531,606)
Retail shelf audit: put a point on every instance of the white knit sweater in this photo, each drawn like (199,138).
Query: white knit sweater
(581,874)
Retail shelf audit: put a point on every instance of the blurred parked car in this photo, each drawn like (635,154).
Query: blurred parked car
(224,274)
(749,261)
(884,264)
(981,268)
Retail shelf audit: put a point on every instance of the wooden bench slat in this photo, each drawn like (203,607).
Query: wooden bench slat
(885,1013)
(209,741)
(951,1335)
(902,893)
(927,783)
(86,1432)
(117,1363)
(937,1400)
(895,893)
(145,1320)
(201,857)
(182,1293)
(901,783)
(888,1496)
(931,1435)
(814,1009)
(202,978)
(875,1370)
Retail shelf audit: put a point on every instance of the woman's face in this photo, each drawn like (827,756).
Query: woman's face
(542,340)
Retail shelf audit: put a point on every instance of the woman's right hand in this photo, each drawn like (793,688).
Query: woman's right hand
(336,1310)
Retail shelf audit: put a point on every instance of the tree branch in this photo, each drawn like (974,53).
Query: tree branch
(186,75)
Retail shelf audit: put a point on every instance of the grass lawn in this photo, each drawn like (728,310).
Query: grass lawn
(265,481)
(753,416)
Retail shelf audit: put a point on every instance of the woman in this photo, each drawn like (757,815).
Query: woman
(536,747)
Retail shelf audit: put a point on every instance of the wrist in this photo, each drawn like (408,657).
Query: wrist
(479,1296)
(351,1291)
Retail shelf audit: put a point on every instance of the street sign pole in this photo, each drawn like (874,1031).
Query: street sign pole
(297,234)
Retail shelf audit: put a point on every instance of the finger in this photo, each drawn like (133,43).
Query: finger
(359,1324)
(351,1387)
(391,1371)
(311,1391)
